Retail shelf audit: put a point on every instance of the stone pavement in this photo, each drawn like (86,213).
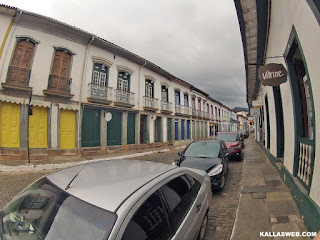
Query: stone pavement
(265,205)
(38,165)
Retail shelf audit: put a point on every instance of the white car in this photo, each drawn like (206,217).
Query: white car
(117,199)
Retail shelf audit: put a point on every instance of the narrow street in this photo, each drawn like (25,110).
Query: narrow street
(222,211)
(265,205)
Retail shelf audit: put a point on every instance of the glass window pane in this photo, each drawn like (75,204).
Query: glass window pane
(149,222)
(44,211)
(203,149)
(178,194)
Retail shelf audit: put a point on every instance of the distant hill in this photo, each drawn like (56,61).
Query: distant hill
(240,109)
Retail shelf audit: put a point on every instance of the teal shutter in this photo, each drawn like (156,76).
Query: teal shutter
(131,128)
(158,129)
(90,128)
(169,130)
(114,129)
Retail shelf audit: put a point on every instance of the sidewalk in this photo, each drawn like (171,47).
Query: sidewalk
(265,204)
(17,165)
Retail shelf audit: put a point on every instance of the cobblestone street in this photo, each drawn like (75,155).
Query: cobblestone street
(224,204)
(222,211)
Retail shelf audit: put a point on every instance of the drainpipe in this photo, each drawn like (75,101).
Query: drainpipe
(12,34)
(139,84)
(84,67)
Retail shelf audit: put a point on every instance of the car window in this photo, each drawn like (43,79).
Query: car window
(195,185)
(228,137)
(178,193)
(149,222)
(44,211)
(203,149)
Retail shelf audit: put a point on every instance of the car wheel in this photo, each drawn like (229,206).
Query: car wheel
(223,183)
(240,156)
(203,228)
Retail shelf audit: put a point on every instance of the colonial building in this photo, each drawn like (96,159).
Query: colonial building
(65,92)
(283,36)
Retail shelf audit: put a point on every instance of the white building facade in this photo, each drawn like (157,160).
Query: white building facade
(286,116)
(89,95)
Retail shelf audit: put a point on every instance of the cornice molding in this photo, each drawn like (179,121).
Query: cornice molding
(125,69)
(102,60)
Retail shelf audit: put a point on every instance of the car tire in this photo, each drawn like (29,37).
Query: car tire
(223,182)
(203,228)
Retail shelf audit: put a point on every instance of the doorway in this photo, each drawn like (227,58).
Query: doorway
(143,129)
(279,121)
(303,105)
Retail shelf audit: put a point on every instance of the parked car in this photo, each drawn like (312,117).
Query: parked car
(245,132)
(233,142)
(117,199)
(207,155)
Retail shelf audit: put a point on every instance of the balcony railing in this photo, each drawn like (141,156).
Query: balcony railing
(124,98)
(99,93)
(207,115)
(150,103)
(306,159)
(183,110)
(196,113)
(166,106)
(59,83)
(18,76)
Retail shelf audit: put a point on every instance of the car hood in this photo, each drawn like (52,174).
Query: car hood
(231,144)
(203,164)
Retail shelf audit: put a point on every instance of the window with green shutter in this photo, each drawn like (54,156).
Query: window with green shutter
(100,74)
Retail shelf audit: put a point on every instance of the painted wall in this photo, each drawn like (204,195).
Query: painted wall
(43,57)
(5,21)
(284,15)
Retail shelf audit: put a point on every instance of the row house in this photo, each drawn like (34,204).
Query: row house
(66,92)
(283,37)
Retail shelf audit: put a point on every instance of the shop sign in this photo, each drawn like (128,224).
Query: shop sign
(272,74)
(257,104)
(108,116)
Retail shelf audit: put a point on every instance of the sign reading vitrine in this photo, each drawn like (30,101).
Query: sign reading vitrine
(272,74)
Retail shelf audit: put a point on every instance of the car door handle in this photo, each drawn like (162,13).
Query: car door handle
(198,207)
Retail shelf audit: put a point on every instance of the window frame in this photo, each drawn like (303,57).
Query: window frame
(150,84)
(107,75)
(177,95)
(191,193)
(20,39)
(127,80)
(164,89)
(135,207)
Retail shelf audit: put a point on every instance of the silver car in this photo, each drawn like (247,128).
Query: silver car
(117,199)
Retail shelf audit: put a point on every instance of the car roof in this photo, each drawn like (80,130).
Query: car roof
(210,141)
(228,133)
(107,184)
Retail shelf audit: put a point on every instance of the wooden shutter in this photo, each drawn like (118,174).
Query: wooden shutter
(23,54)
(19,69)
(59,78)
(61,63)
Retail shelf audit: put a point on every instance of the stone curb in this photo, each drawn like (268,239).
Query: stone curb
(40,167)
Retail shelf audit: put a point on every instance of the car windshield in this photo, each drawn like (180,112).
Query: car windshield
(203,150)
(227,137)
(45,212)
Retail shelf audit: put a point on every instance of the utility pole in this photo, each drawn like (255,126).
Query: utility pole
(29,113)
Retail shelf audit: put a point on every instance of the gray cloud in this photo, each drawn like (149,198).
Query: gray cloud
(197,41)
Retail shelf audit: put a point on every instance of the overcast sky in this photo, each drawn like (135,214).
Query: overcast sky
(195,40)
